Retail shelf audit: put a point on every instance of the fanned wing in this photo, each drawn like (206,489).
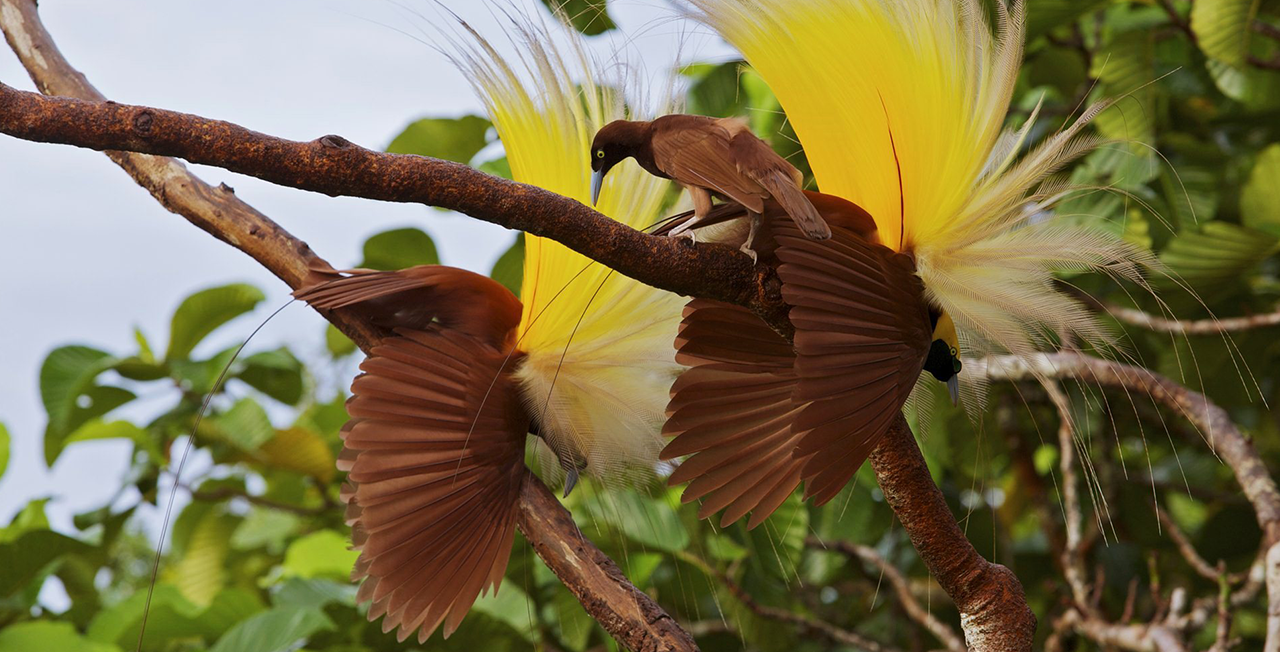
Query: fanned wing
(435,455)
(700,153)
(862,334)
(417,296)
(731,412)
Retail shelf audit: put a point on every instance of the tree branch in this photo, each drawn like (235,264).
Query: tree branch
(996,616)
(623,610)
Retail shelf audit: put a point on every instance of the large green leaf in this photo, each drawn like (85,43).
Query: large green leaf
(300,450)
(278,374)
(27,557)
(297,592)
(1216,253)
(509,605)
(398,249)
(269,529)
(245,425)
(276,630)
(590,17)
(451,139)
(92,403)
(97,429)
(172,617)
(649,521)
(203,312)
(48,636)
(68,372)
(325,553)
(509,270)
(1045,15)
(202,571)
(1125,67)
(1222,28)
(1260,200)
(778,543)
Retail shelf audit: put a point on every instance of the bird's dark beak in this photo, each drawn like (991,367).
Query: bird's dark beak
(953,389)
(597,182)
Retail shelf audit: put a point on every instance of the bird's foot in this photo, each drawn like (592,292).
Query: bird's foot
(570,480)
(746,249)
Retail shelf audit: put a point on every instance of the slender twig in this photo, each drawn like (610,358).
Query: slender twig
(1188,551)
(1073,563)
(1193,327)
(898,583)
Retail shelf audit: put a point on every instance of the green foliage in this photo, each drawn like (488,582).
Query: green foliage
(590,17)
(399,249)
(509,270)
(452,139)
(203,312)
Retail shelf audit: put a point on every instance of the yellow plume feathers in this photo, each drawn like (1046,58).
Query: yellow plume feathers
(600,360)
(900,107)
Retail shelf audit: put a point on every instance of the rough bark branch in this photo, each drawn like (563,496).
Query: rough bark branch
(624,611)
(996,616)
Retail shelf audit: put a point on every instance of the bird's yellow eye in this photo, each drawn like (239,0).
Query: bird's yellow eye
(599,153)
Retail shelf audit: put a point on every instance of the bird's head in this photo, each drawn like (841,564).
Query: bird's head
(944,356)
(613,143)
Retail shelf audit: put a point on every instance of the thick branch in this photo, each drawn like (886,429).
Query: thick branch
(638,622)
(989,596)
(993,607)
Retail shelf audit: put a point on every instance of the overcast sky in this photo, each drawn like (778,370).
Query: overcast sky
(88,255)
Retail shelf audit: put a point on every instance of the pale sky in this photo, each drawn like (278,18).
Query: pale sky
(89,255)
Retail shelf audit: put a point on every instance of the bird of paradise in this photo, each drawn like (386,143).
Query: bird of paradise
(440,417)
(900,107)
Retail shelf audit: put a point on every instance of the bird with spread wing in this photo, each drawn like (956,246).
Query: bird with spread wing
(440,415)
(900,107)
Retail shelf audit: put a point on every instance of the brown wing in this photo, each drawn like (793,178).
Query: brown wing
(862,334)
(732,413)
(696,151)
(836,211)
(757,160)
(417,296)
(435,455)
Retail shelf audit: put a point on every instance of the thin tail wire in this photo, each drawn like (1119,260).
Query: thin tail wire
(177,473)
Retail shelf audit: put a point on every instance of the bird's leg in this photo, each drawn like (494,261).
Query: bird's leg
(701,207)
(748,245)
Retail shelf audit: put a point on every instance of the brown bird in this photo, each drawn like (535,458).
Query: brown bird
(757,415)
(711,157)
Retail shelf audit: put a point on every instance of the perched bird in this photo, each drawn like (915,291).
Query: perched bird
(711,157)
(899,107)
(440,416)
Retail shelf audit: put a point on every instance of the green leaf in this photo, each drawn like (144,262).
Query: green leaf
(27,557)
(451,139)
(172,617)
(509,270)
(338,344)
(29,519)
(1214,254)
(67,373)
(97,429)
(1260,200)
(276,630)
(509,605)
(4,449)
(204,311)
(716,90)
(1222,28)
(202,571)
(269,529)
(1125,67)
(572,622)
(590,17)
(779,542)
(245,425)
(651,522)
(297,592)
(398,249)
(325,553)
(498,167)
(94,402)
(48,636)
(277,374)
(1045,15)
(300,450)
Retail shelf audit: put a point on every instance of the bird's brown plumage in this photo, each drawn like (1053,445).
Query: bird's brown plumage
(758,416)
(435,446)
(712,157)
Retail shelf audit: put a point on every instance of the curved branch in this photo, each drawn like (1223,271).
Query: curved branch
(623,610)
(996,616)
(1193,327)
(1215,425)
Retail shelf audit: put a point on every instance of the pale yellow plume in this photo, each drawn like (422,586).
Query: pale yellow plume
(900,106)
(600,359)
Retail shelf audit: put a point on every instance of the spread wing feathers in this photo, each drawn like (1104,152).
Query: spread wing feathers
(782,180)
(731,412)
(703,155)
(600,363)
(435,456)
(862,334)
(900,107)
(415,297)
